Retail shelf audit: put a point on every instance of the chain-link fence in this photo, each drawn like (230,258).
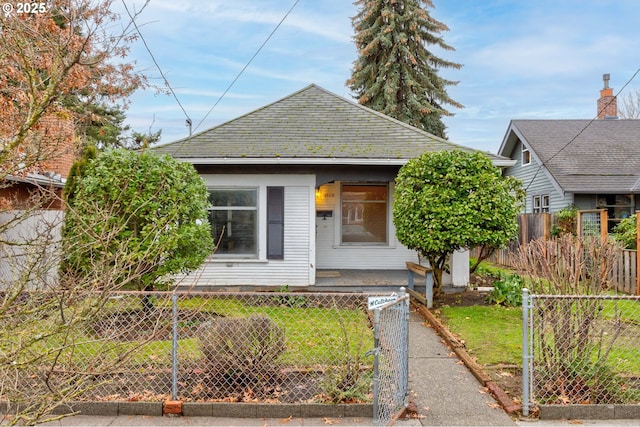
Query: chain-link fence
(391,365)
(248,347)
(581,349)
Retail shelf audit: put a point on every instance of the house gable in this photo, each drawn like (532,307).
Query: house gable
(536,178)
(583,156)
(576,161)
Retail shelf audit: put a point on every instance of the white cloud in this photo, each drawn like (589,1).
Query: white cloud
(522,59)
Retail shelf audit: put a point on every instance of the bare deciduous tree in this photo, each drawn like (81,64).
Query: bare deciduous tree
(50,351)
(72,49)
(569,271)
(69,49)
(629,106)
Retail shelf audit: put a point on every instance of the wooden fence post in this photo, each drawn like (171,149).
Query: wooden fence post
(604,225)
(547,229)
(579,224)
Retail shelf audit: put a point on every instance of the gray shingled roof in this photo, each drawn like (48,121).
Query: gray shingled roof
(312,124)
(585,156)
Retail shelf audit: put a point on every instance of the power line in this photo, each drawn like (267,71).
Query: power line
(543,163)
(247,64)
(166,82)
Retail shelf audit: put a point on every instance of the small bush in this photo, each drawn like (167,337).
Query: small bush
(287,299)
(507,291)
(349,380)
(346,384)
(566,221)
(626,232)
(242,351)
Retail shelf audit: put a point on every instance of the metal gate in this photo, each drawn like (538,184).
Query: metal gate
(391,359)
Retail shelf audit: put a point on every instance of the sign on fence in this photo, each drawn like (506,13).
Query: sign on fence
(379,301)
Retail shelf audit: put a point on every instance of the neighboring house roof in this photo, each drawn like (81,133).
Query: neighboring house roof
(311,126)
(583,156)
(38,179)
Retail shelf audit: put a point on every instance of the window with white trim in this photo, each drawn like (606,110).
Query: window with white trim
(541,203)
(233,218)
(364,214)
(526,155)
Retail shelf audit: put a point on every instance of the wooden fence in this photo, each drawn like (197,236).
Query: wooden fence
(624,277)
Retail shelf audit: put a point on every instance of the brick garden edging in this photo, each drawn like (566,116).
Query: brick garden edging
(217,409)
(589,412)
(506,402)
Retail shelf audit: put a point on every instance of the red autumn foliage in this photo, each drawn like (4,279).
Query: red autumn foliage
(70,53)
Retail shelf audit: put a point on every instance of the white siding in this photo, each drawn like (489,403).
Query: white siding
(30,252)
(296,268)
(332,255)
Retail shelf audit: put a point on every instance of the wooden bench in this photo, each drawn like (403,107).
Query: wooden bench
(427,273)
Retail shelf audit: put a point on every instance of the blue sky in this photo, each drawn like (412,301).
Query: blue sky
(521,59)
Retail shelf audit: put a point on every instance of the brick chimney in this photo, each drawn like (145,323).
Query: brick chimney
(607,104)
(58,151)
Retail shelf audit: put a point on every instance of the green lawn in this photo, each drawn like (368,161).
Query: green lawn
(491,334)
(314,335)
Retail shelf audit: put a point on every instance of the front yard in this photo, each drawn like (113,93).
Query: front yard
(592,361)
(492,335)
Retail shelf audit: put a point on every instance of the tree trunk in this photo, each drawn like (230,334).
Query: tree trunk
(484,253)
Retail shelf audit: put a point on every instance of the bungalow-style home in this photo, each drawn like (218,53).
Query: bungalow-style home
(592,164)
(303,185)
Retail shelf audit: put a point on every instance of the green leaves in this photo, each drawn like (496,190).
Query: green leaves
(453,200)
(396,73)
(507,291)
(626,232)
(142,215)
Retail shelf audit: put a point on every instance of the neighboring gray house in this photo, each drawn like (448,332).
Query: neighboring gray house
(591,164)
(305,184)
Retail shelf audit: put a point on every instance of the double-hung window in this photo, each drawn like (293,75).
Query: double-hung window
(235,222)
(541,203)
(364,214)
(233,218)
(526,155)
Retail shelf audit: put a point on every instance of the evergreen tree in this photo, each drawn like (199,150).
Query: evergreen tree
(395,73)
(101,124)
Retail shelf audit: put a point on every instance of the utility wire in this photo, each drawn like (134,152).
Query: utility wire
(247,64)
(543,163)
(166,82)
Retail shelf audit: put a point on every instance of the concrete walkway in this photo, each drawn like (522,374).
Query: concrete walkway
(443,390)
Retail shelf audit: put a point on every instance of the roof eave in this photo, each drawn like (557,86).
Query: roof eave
(291,161)
(38,180)
(504,163)
(311,161)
